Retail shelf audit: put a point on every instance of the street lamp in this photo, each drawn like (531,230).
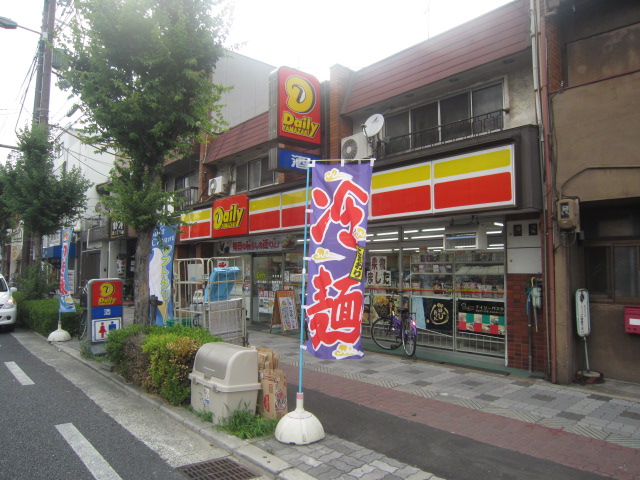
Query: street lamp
(12,25)
(45,54)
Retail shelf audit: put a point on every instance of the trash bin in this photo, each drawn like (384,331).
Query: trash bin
(224,379)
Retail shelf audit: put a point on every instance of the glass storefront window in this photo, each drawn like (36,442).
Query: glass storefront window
(456,296)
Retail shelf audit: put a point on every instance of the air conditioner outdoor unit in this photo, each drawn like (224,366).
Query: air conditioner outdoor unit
(355,146)
(217,185)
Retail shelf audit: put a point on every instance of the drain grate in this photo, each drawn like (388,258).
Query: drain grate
(221,469)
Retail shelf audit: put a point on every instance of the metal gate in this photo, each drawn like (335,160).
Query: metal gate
(209,293)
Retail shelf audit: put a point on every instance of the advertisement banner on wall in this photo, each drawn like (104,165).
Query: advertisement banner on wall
(337,233)
(161,272)
(273,243)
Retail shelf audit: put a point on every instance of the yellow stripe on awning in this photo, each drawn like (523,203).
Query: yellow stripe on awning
(393,178)
(264,203)
(297,197)
(473,163)
(197,216)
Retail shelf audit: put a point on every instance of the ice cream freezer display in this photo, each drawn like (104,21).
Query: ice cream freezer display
(457,299)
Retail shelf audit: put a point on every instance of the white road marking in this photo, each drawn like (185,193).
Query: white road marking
(92,459)
(22,377)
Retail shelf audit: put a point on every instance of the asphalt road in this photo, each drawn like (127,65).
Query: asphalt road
(444,454)
(61,420)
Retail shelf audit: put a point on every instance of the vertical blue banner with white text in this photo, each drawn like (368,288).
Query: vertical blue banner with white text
(340,198)
(161,271)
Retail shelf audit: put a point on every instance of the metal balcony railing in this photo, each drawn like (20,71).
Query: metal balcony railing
(469,127)
(189,196)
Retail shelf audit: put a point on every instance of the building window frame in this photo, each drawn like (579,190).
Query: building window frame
(412,129)
(254,174)
(612,271)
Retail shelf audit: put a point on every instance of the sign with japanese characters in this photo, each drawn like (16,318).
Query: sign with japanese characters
(337,236)
(66,301)
(104,303)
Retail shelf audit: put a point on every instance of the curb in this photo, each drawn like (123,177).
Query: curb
(242,450)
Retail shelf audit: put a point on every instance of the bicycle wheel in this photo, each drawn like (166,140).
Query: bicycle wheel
(409,337)
(384,335)
(82,326)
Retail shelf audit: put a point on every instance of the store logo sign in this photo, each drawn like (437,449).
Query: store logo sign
(231,218)
(295,100)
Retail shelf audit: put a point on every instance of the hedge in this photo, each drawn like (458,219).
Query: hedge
(42,315)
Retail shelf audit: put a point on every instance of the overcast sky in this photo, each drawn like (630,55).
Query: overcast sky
(310,36)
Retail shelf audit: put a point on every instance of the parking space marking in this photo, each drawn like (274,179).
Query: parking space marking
(22,377)
(92,459)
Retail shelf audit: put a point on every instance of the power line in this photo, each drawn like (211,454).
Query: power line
(75,156)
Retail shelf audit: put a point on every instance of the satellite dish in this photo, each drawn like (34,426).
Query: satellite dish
(373,125)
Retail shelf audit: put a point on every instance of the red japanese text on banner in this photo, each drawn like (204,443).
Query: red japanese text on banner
(340,198)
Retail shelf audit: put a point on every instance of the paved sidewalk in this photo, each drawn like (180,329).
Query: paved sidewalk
(593,428)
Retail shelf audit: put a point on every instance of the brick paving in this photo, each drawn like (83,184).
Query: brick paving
(567,425)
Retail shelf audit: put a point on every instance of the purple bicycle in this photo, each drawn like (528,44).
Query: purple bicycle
(391,331)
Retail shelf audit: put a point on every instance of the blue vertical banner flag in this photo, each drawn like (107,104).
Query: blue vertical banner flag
(340,197)
(66,300)
(161,271)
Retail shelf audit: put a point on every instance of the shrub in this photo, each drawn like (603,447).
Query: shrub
(171,360)
(42,315)
(158,359)
(34,284)
(123,348)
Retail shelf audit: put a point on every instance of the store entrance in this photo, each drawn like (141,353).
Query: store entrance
(267,280)
(280,271)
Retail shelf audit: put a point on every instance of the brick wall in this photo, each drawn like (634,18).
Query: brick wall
(517,327)
(554,54)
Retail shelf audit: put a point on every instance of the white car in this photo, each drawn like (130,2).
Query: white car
(8,308)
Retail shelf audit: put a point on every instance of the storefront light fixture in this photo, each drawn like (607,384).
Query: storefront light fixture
(380,234)
(385,239)
(433,229)
(383,250)
(494,232)
(498,224)
(420,237)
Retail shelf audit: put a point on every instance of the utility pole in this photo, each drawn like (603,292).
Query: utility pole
(41,101)
(45,56)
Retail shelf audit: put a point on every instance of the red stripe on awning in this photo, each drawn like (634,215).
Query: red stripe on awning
(473,191)
(259,222)
(401,201)
(293,217)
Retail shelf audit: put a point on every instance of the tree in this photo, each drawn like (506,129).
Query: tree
(43,200)
(7,223)
(142,70)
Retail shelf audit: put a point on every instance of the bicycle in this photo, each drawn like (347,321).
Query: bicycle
(389,331)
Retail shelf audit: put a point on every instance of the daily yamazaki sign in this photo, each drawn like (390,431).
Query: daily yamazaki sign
(295,105)
(230,216)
